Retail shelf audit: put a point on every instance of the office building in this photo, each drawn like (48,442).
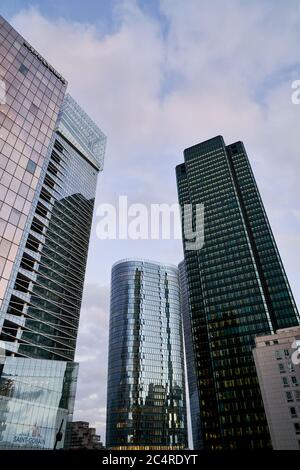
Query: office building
(237,289)
(277,361)
(146,406)
(36,401)
(83,437)
(51,153)
(190,359)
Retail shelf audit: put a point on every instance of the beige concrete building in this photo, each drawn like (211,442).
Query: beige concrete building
(277,360)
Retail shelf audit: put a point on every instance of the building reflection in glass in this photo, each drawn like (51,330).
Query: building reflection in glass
(36,399)
(190,359)
(50,329)
(146,406)
(50,156)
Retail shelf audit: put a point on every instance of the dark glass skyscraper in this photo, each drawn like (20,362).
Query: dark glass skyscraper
(237,289)
(190,359)
(146,406)
(51,153)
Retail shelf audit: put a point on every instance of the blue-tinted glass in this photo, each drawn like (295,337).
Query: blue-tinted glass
(146,389)
(36,397)
(23,69)
(31,166)
(237,289)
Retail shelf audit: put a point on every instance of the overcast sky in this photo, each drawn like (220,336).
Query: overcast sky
(157,77)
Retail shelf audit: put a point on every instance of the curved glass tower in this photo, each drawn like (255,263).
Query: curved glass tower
(146,406)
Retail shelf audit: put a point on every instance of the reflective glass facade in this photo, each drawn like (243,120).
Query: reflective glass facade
(237,289)
(36,399)
(50,155)
(43,309)
(146,406)
(34,94)
(277,361)
(190,359)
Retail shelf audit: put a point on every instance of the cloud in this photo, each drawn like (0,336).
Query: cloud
(215,69)
(159,83)
(92,357)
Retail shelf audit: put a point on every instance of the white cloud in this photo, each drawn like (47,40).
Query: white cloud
(214,68)
(92,357)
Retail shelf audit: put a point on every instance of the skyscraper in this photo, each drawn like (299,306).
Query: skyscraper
(51,153)
(190,359)
(146,406)
(237,289)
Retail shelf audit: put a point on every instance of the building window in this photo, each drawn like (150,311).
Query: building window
(293,412)
(285,381)
(278,355)
(281,368)
(297,428)
(289,396)
(15,216)
(31,166)
(291,366)
(297,395)
(294,381)
(23,69)
(287,353)
(33,109)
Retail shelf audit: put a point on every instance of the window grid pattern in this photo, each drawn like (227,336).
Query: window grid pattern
(36,397)
(33,98)
(43,313)
(190,359)
(47,195)
(229,294)
(146,390)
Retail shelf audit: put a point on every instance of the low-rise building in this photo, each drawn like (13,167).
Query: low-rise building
(277,361)
(82,436)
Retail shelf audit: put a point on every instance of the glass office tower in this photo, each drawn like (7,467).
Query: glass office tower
(237,289)
(190,359)
(36,400)
(146,406)
(51,154)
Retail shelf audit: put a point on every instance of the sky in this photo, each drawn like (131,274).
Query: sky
(158,76)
